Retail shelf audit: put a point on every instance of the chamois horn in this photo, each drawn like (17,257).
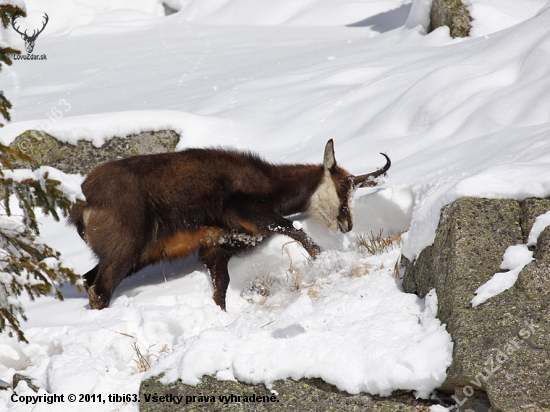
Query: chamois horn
(368,179)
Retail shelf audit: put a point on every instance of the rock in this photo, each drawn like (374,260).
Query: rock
(451,13)
(303,395)
(83,157)
(501,356)
(3,385)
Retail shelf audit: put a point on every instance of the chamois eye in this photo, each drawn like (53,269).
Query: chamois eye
(343,187)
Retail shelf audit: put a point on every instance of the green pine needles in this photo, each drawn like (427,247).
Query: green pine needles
(27,264)
(7,12)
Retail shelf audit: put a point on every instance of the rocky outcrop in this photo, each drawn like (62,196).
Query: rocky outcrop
(304,395)
(451,13)
(83,157)
(501,356)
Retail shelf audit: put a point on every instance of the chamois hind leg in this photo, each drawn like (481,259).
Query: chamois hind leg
(90,276)
(117,248)
(109,276)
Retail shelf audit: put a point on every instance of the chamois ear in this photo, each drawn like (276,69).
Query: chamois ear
(329,161)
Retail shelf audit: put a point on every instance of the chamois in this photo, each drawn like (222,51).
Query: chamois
(148,208)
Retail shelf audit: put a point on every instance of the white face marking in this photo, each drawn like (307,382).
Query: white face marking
(324,204)
(349,205)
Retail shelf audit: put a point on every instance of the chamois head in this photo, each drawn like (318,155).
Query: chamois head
(330,203)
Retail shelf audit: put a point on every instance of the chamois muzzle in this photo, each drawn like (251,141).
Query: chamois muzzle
(345,226)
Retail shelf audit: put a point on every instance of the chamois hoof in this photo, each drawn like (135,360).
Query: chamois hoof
(96,301)
(314,251)
(219,301)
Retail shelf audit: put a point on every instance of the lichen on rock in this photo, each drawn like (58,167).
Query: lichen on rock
(451,13)
(83,157)
(501,355)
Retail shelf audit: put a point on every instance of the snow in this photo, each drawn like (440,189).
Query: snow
(495,15)
(541,223)
(316,336)
(439,408)
(458,117)
(515,259)
(70,185)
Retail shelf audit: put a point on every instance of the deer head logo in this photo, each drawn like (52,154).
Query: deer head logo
(29,40)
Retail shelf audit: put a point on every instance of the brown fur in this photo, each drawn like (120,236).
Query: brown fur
(148,208)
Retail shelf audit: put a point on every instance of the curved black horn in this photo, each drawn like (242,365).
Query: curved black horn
(367,180)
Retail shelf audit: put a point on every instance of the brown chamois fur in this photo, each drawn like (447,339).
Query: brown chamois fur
(144,209)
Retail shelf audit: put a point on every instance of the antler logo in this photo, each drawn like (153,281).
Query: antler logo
(29,40)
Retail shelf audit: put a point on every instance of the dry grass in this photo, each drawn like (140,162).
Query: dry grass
(294,279)
(376,244)
(397,267)
(262,287)
(143,360)
(295,284)
(361,270)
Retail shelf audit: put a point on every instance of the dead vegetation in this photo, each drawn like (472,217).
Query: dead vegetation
(143,361)
(376,244)
(361,269)
(295,281)
(260,288)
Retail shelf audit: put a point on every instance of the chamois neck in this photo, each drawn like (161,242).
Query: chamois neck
(293,186)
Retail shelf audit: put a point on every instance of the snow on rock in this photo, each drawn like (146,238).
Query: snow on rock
(541,223)
(515,259)
(439,408)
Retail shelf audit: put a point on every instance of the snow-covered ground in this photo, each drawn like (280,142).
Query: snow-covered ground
(458,117)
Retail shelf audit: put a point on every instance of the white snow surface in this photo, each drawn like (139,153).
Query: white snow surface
(458,117)
(541,223)
(69,185)
(494,15)
(515,259)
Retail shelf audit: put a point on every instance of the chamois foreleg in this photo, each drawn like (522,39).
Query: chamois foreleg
(248,223)
(286,227)
(266,221)
(216,259)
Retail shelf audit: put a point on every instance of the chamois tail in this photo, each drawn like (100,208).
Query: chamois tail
(76,219)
